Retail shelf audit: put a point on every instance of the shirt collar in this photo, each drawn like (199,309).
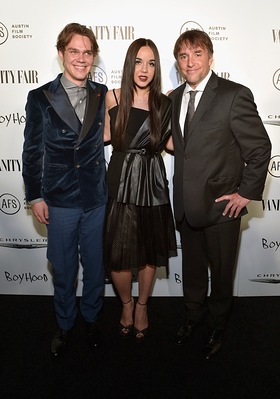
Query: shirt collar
(201,85)
(67,83)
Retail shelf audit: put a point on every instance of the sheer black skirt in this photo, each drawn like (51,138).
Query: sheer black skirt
(136,236)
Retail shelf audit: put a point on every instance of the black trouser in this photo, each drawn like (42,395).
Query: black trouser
(211,248)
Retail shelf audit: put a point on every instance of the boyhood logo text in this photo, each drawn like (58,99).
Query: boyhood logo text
(267,244)
(25,277)
(14,118)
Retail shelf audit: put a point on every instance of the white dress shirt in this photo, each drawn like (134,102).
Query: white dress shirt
(186,96)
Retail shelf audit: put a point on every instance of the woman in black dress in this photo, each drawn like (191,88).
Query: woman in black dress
(139,229)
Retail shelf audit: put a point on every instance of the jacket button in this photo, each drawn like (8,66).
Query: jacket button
(78,166)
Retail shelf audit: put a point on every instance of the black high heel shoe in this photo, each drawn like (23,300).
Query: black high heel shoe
(140,335)
(126,330)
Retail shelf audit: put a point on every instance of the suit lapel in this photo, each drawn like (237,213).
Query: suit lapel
(59,100)
(176,118)
(204,103)
(93,99)
(62,106)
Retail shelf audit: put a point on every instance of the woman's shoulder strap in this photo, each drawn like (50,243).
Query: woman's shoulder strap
(115,97)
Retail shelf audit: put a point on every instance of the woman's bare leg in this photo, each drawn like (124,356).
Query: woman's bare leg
(122,282)
(146,277)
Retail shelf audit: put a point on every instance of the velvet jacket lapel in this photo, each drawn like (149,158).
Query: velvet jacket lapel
(62,106)
(59,100)
(93,98)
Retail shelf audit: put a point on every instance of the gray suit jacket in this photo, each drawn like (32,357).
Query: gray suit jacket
(227,151)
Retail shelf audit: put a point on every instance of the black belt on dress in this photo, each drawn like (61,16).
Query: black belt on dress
(141,151)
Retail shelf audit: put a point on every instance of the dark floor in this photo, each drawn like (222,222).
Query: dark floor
(248,365)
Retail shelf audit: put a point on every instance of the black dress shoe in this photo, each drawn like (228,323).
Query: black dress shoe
(59,343)
(185,332)
(93,335)
(213,345)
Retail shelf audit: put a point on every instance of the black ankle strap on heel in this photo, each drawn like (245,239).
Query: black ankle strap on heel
(141,304)
(126,303)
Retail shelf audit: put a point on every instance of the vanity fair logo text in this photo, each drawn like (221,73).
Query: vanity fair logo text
(10,165)
(113,32)
(27,76)
(271,205)
(276,35)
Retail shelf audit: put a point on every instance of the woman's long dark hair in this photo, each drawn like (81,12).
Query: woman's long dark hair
(127,92)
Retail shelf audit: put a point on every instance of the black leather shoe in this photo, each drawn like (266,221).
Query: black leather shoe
(93,335)
(185,332)
(59,343)
(213,345)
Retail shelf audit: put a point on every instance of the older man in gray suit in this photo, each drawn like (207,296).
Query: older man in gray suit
(221,154)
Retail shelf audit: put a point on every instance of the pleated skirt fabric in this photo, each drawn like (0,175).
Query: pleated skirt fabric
(136,236)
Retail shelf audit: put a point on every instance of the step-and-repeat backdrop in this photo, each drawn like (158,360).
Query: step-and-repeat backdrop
(246,38)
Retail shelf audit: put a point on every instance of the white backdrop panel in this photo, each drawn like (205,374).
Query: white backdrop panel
(246,41)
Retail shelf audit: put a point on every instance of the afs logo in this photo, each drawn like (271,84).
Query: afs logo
(274,166)
(98,75)
(3,33)
(189,25)
(9,204)
(276,79)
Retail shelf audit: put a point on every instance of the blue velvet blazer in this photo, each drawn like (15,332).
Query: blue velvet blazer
(63,160)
